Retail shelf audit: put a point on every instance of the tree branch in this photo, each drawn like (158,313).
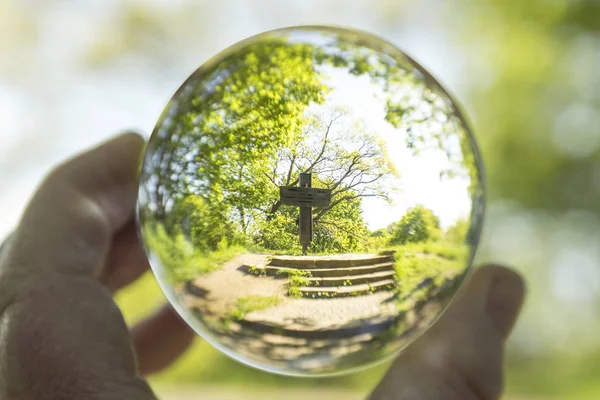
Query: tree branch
(290,170)
(322,152)
(340,227)
(271,179)
(324,211)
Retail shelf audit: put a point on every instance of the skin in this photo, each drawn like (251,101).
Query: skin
(63,337)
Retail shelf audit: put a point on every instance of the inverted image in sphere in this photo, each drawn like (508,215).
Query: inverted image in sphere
(311,200)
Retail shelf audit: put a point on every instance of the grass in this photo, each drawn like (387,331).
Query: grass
(446,250)
(296,279)
(416,263)
(211,261)
(257,271)
(245,305)
(181,261)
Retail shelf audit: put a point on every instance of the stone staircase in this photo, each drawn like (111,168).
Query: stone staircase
(309,350)
(331,276)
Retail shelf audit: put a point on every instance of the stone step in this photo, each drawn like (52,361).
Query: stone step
(321,340)
(317,353)
(320,272)
(328,262)
(346,291)
(357,332)
(349,280)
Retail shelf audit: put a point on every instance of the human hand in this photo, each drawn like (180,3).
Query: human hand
(63,337)
(461,357)
(61,334)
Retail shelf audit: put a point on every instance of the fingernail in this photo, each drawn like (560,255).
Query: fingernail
(505,299)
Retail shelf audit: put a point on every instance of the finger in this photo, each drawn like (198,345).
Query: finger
(4,245)
(160,340)
(461,356)
(64,335)
(504,305)
(127,260)
(68,225)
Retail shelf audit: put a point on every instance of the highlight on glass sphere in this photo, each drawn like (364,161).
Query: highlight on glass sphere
(311,200)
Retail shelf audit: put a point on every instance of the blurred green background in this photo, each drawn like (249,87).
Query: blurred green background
(527,73)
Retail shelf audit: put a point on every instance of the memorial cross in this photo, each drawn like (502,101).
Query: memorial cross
(306,197)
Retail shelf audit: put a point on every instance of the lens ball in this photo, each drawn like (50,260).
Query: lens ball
(311,200)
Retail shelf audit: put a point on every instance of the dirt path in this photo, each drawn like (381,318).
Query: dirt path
(307,334)
(324,314)
(221,289)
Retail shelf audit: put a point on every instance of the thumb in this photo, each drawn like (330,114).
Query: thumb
(62,334)
(68,225)
(461,356)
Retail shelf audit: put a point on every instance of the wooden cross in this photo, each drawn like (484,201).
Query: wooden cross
(306,197)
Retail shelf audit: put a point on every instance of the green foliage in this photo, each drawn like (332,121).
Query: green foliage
(443,249)
(179,258)
(342,228)
(279,232)
(412,269)
(379,239)
(175,252)
(458,233)
(257,271)
(208,227)
(447,250)
(245,305)
(294,291)
(227,123)
(419,224)
(421,267)
(243,129)
(297,279)
(293,272)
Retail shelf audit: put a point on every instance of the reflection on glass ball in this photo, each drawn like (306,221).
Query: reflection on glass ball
(311,200)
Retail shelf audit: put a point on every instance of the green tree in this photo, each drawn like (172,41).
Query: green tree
(229,117)
(246,124)
(214,138)
(342,229)
(419,224)
(346,158)
(458,233)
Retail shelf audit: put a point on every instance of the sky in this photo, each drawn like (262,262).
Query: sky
(419,180)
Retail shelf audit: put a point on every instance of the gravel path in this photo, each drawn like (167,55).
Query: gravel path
(298,333)
(226,285)
(326,313)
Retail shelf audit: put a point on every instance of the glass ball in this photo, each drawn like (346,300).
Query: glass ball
(311,200)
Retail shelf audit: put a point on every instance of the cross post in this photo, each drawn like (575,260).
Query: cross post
(306,198)
(306,222)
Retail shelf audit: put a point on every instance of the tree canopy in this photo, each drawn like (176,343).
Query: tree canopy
(419,224)
(253,119)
